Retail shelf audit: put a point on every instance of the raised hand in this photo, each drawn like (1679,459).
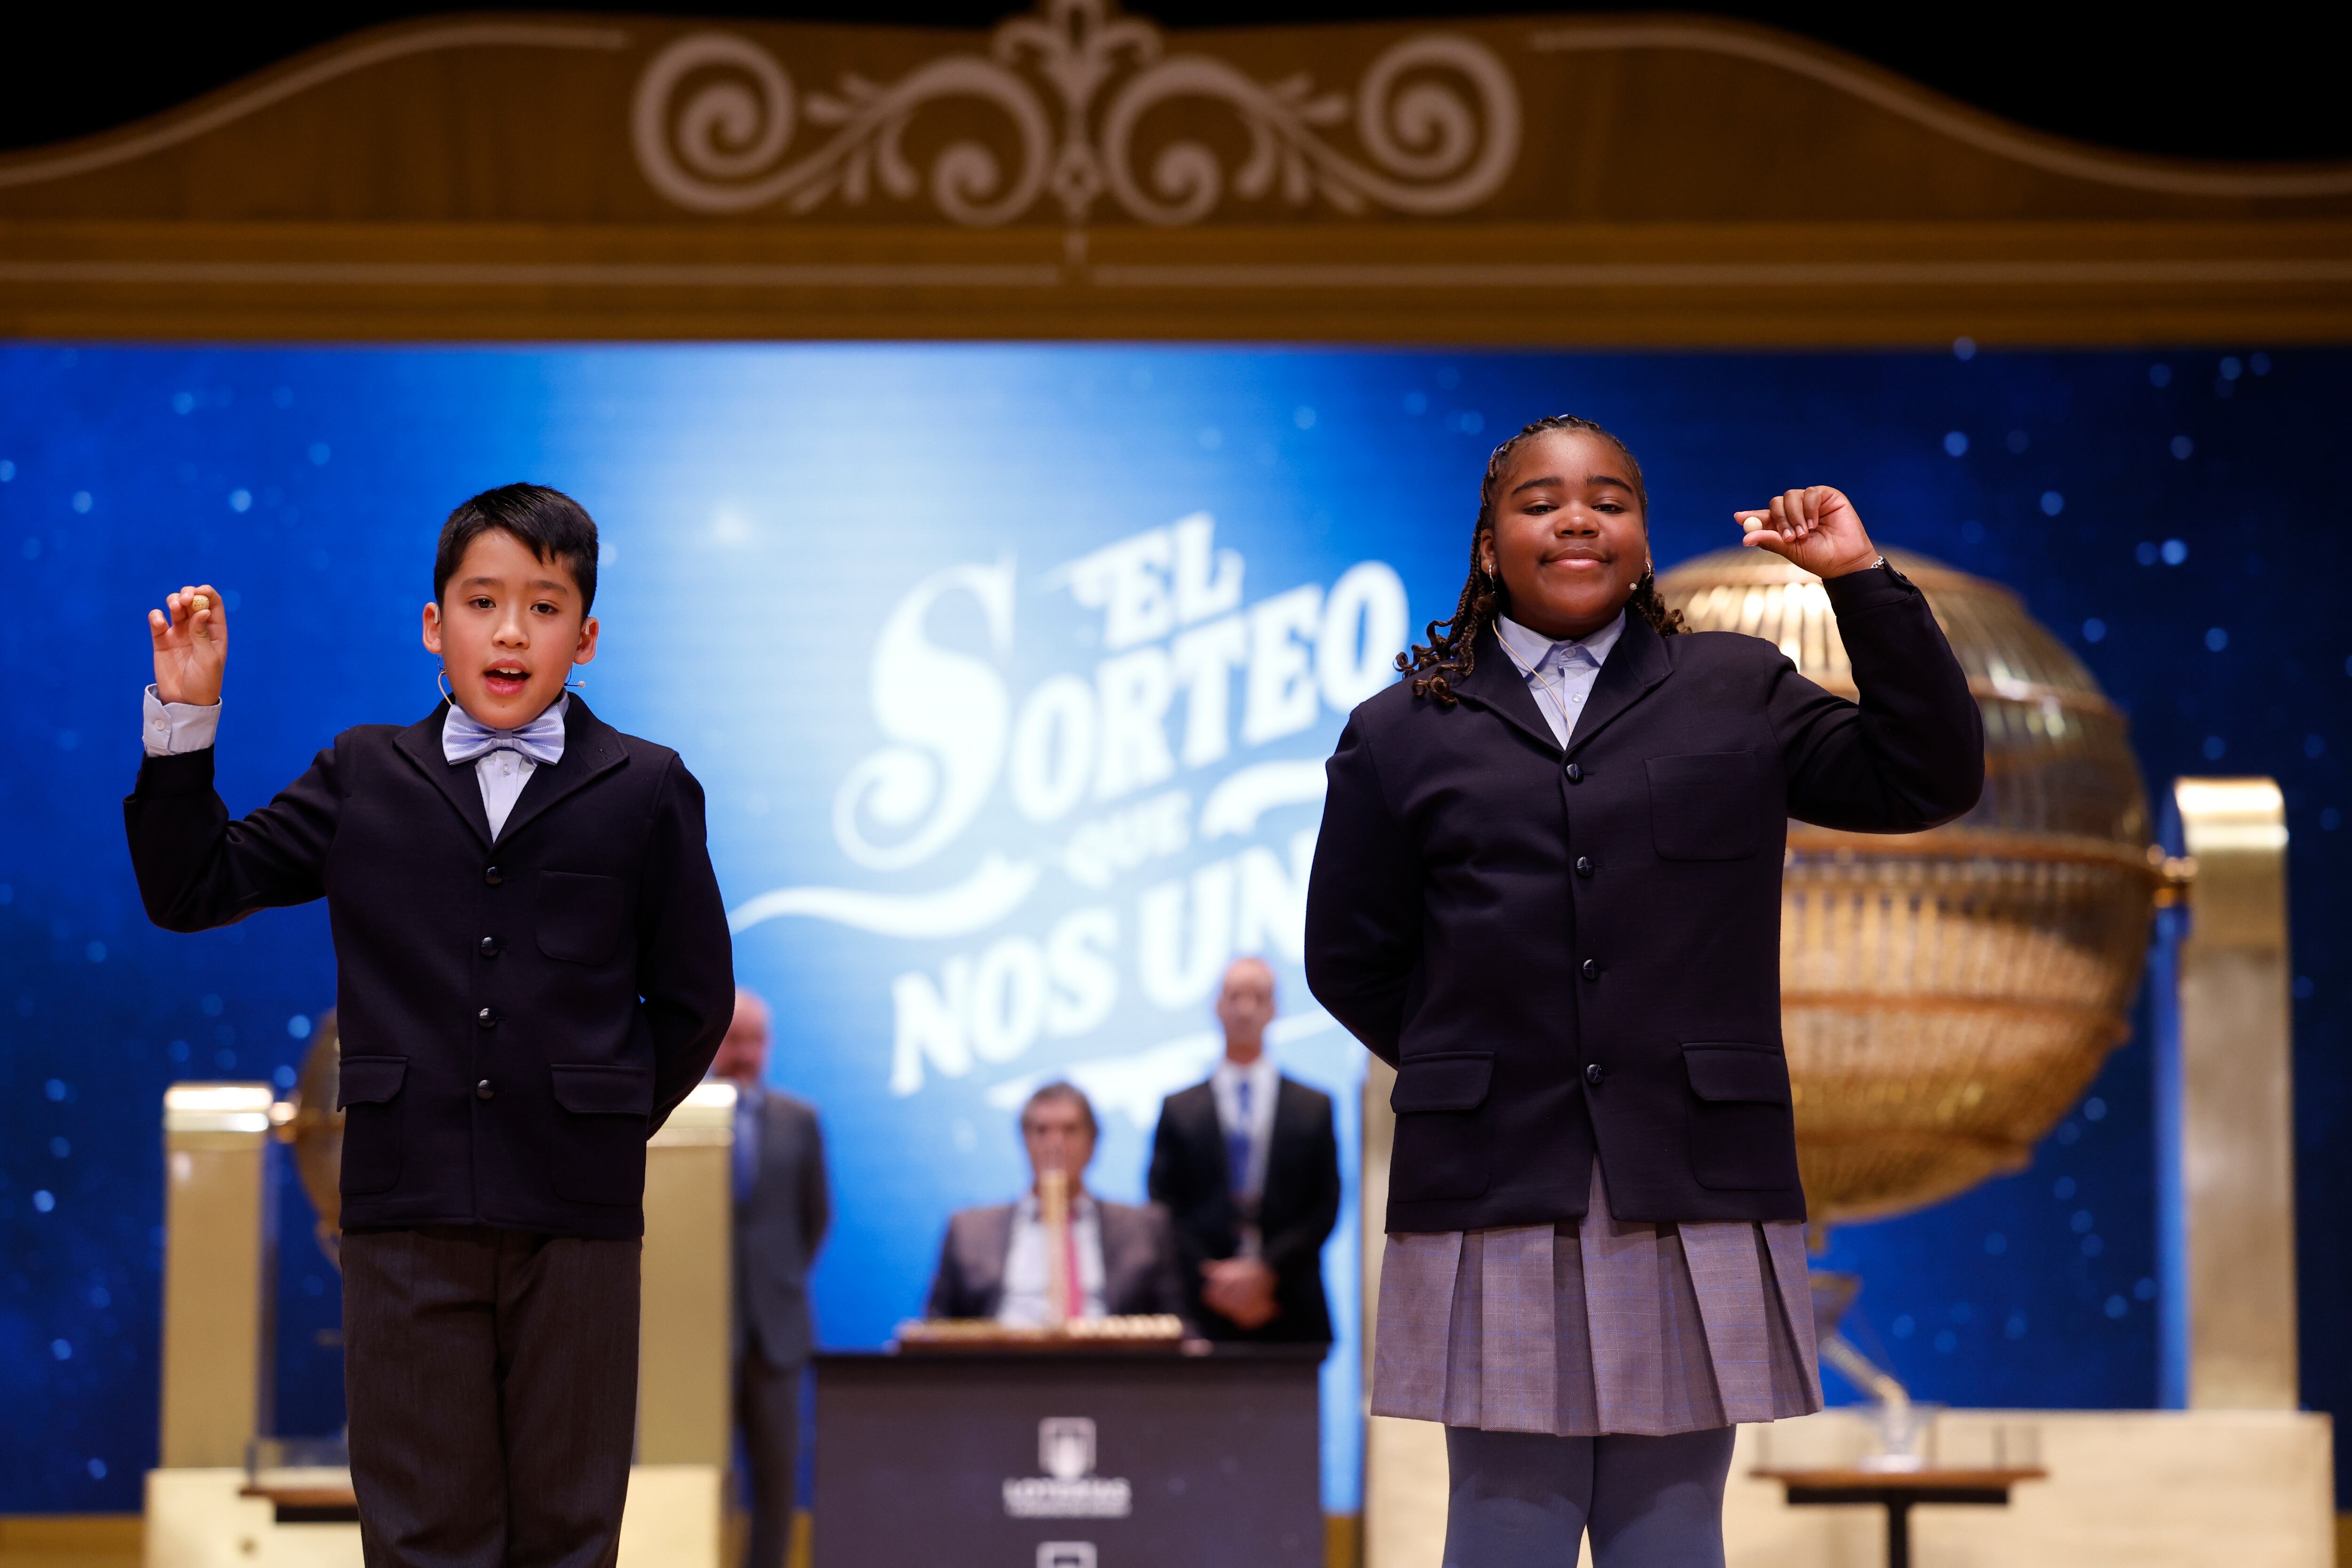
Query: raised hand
(1815,528)
(191,646)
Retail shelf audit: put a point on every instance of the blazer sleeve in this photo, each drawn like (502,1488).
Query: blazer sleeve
(686,959)
(198,869)
(1363,901)
(1910,754)
(1167,1288)
(946,1281)
(1166,1186)
(1299,1245)
(816,1194)
(1160,1182)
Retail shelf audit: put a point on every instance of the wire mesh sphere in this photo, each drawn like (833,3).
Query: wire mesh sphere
(317,1132)
(1946,996)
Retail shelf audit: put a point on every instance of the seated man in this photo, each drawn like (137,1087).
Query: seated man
(996,1262)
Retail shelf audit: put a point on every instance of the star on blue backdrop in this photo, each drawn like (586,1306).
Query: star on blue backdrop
(984,815)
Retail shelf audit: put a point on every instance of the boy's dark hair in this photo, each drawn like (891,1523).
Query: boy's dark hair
(1451,654)
(550,523)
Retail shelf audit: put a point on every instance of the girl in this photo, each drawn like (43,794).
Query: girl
(1548,891)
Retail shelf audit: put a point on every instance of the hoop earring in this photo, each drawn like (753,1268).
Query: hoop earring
(441,679)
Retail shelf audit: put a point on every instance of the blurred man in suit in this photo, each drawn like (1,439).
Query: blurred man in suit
(781,1210)
(1248,1166)
(997,1261)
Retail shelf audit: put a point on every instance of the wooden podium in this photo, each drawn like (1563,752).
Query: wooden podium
(1107,1456)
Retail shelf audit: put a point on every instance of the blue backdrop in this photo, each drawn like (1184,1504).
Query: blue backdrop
(1006,670)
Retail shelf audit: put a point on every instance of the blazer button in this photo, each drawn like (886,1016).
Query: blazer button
(490,947)
(1583,868)
(1575,772)
(1590,969)
(1594,1074)
(490,874)
(483,1090)
(488,1017)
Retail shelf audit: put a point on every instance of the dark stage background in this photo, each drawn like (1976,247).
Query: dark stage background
(2258,84)
(2171,515)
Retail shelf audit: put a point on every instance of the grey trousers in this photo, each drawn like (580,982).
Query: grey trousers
(1520,1499)
(768,1415)
(491,1377)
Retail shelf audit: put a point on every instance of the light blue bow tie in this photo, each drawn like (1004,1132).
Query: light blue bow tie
(464,737)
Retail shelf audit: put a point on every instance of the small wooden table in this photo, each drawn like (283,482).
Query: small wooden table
(309,1500)
(1896,1492)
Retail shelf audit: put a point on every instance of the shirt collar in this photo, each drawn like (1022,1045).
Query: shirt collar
(1257,1072)
(1531,648)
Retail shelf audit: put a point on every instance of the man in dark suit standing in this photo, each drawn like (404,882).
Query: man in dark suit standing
(1002,1261)
(782,1211)
(1249,1167)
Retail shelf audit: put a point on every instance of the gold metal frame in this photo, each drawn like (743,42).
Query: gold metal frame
(2235,1093)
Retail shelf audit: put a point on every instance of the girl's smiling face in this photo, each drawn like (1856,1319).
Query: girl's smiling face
(509,628)
(1566,533)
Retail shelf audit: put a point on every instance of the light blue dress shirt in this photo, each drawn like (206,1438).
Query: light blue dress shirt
(1560,675)
(1028,1287)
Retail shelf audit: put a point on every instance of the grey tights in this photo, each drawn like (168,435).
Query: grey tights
(1520,1499)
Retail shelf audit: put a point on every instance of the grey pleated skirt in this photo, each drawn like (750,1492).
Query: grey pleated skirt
(1596,1326)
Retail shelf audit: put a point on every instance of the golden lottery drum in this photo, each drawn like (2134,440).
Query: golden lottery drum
(317,1132)
(1946,995)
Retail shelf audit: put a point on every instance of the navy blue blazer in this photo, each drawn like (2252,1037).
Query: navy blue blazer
(520,1013)
(1571,952)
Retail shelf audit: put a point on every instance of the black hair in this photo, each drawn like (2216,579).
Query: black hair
(1062,1089)
(552,525)
(1449,655)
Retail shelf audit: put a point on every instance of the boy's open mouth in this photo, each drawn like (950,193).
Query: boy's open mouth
(506,679)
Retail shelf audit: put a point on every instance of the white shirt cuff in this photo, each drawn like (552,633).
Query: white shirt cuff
(174,728)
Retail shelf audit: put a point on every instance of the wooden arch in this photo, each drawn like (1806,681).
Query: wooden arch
(1080,173)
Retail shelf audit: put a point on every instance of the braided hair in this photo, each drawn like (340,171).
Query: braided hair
(1449,655)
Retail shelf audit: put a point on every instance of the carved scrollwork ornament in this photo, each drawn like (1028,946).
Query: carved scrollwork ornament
(1435,123)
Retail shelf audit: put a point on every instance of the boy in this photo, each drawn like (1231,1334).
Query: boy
(534,970)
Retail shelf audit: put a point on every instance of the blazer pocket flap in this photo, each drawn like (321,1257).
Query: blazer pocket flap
(1736,1073)
(369,1080)
(1457,1081)
(590,1090)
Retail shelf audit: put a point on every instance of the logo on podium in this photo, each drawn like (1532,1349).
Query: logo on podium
(1065,1446)
(1069,1488)
(1065,1554)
